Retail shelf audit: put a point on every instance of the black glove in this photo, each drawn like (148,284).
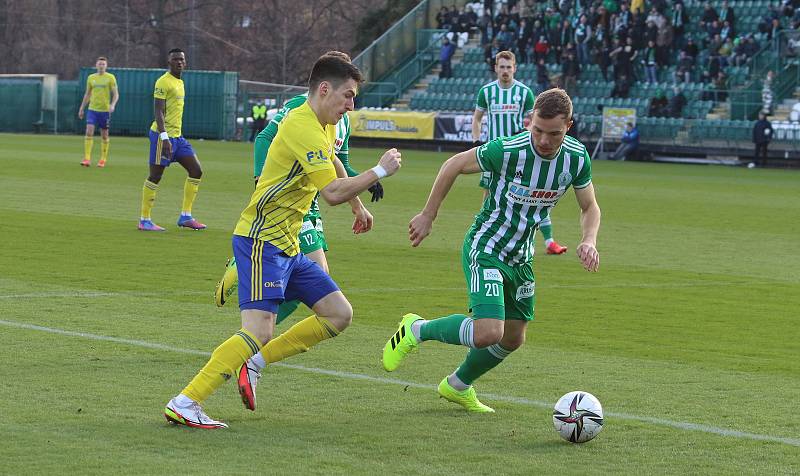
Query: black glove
(477,143)
(376,191)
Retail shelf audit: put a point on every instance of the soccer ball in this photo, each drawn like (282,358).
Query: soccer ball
(578,416)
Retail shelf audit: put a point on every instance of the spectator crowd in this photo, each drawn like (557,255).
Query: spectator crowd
(629,40)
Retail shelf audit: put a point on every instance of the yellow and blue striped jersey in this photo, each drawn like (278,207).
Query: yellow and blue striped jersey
(299,164)
(99,87)
(170,88)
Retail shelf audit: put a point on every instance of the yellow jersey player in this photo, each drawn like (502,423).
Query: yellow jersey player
(168,145)
(300,164)
(101,96)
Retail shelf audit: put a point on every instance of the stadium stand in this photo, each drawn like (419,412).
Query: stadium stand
(729,56)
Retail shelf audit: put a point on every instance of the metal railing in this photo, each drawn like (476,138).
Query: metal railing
(380,94)
(398,43)
(747,101)
(396,48)
(779,56)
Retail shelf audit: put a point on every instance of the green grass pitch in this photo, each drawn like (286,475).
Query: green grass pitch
(688,335)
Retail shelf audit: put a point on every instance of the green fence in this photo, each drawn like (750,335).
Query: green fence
(399,44)
(386,91)
(69,99)
(746,102)
(776,56)
(209,111)
(22,104)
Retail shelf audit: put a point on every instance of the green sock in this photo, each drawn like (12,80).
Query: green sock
(286,309)
(546,227)
(453,329)
(480,361)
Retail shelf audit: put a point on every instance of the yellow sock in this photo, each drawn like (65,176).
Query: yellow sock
(299,338)
(189,193)
(87,147)
(104,150)
(225,360)
(148,198)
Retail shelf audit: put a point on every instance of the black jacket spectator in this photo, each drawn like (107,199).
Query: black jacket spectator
(709,15)
(727,14)
(441,19)
(676,104)
(683,71)
(691,49)
(679,19)
(762,131)
(542,77)
(762,135)
(622,87)
(658,105)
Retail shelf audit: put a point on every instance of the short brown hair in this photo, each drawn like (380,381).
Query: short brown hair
(101,58)
(553,103)
(506,55)
(335,69)
(339,54)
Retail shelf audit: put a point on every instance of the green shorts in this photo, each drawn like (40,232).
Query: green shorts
(311,237)
(486,180)
(496,289)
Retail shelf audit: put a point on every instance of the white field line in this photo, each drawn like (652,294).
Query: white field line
(354,376)
(355,290)
(97,294)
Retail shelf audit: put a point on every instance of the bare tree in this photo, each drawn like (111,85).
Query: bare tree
(265,40)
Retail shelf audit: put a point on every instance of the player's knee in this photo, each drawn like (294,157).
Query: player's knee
(512,342)
(487,337)
(155,178)
(341,316)
(259,323)
(263,334)
(196,170)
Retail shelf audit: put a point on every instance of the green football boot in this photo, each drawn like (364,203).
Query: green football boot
(466,398)
(401,343)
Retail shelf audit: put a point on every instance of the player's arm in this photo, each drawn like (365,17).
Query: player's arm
(527,106)
(344,155)
(477,117)
(590,225)
(159,108)
(363,220)
(481,106)
(114,99)
(261,147)
(85,100)
(341,190)
(461,163)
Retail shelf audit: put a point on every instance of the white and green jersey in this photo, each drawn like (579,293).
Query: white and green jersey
(506,107)
(342,145)
(522,189)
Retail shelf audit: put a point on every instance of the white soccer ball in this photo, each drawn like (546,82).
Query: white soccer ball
(578,416)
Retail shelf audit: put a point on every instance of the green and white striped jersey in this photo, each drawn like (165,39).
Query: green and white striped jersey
(342,145)
(506,108)
(522,190)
